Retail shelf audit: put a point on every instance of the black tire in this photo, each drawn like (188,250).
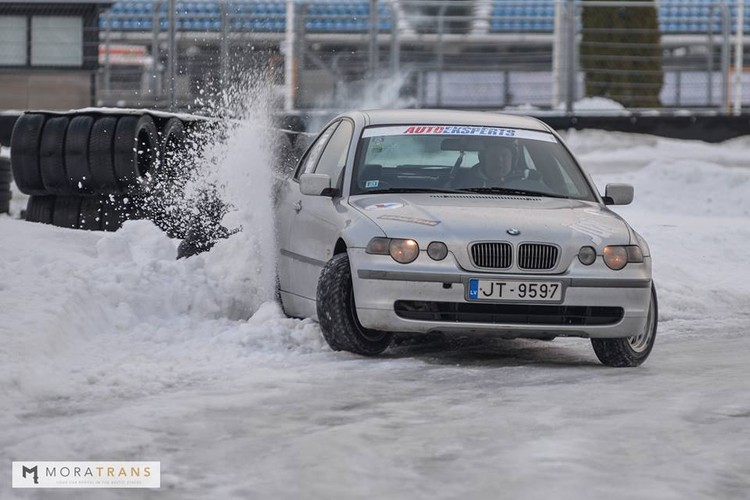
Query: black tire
(77,155)
(630,351)
(6,174)
(52,156)
(67,211)
(24,153)
(172,148)
(116,209)
(101,155)
(337,313)
(136,150)
(90,218)
(40,209)
(4,187)
(5,194)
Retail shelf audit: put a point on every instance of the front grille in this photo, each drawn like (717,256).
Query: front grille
(492,255)
(537,256)
(508,314)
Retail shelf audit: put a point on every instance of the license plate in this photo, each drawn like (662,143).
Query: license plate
(531,291)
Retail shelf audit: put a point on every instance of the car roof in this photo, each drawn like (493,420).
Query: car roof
(450,117)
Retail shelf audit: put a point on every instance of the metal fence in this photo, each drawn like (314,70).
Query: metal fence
(422,53)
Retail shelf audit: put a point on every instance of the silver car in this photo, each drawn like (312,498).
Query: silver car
(420,221)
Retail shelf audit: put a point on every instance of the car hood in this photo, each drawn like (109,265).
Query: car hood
(458,219)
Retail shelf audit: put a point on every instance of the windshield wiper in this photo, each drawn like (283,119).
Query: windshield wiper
(511,191)
(412,190)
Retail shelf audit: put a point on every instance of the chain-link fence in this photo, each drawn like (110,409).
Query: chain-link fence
(484,54)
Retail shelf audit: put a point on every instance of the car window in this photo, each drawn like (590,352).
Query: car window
(333,159)
(310,159)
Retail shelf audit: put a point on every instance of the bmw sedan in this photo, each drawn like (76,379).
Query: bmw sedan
(424,221)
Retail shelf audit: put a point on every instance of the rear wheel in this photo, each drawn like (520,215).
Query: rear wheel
(630,351)
(338,315)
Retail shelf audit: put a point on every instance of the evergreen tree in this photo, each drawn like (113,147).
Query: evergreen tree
(621,55)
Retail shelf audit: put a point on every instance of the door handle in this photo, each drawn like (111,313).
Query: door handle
(298,206)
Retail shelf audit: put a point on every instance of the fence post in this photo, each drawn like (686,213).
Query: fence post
(710,57)
(558,53)
(440,55)
(570,56)
(395,43)
(107,61)
(224,45)
(172,62)
(289,55)
(374,29)
(738,57)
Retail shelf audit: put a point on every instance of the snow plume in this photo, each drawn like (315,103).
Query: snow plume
(379,93)
(238,171)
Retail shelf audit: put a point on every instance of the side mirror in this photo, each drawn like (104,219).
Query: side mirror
(618,194)
(316,185)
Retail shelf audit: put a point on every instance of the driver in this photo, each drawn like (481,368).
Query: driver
(494,167)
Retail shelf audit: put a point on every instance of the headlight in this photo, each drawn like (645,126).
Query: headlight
(587,255)
(437,250)
(616,256)
(402,251)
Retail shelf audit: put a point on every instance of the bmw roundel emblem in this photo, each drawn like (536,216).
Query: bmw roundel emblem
(513,231)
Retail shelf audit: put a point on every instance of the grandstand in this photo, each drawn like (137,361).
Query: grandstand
(353,16)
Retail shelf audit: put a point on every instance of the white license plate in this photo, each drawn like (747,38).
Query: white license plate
(531,291)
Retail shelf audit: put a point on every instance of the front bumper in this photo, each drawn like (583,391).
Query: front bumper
(379,282)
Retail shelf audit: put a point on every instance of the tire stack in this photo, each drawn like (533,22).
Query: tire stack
(93,171)
(6,176)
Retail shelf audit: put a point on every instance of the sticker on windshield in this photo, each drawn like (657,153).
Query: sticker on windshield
(384,206)
(371,184)
(458,130)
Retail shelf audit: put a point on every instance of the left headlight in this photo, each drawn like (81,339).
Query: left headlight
(402,251)
(617,256)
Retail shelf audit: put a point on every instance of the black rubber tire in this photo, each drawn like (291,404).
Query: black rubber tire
(4,207)
(6,174)
(5,194)
(619,352)
(90,218)
(116,209)
(40,209)
(24,153)
(337,313)
(77,155)
(4,187)
(101,155)
(136,150)
(172,148)
(67,211)
(52,156)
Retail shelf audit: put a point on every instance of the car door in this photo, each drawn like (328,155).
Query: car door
(313,223)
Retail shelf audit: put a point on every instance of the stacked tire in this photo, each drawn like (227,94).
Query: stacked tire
(89,171)
(6,177)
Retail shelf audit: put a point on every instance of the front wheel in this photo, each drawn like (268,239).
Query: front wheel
(630,351)
(337,313)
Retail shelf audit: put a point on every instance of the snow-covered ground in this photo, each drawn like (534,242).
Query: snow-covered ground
(110,349)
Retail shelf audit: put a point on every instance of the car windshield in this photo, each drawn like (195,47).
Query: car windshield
(485,160)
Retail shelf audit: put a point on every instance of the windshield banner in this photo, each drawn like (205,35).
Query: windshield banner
(458,130)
